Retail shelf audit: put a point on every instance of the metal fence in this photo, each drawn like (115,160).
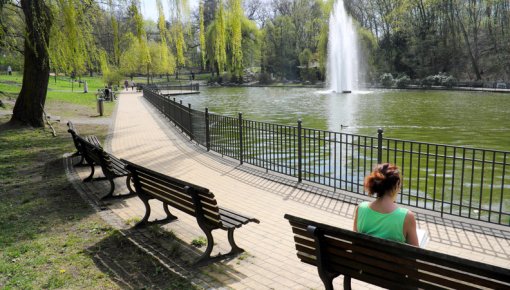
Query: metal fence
(467,182)
(163,88)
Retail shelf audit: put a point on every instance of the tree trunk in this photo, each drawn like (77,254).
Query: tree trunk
(28,109)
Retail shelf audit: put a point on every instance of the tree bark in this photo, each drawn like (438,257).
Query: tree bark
(28,109)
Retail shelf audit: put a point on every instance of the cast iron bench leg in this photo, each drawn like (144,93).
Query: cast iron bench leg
(235,248)
(147,212)
(206,256)
(92,170)
(169,216)
(128,184)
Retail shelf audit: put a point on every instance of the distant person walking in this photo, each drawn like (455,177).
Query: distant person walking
(126,84)
(133,85)
(9,70)
(106,93)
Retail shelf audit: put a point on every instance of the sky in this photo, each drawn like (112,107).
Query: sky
(150,11)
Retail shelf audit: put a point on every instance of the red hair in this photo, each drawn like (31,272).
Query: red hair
(382,179)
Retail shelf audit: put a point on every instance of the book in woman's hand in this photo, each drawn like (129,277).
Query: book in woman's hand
(423,237)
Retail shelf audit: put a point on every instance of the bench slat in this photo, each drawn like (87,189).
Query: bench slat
(177,196)
(236,218)
(205,196)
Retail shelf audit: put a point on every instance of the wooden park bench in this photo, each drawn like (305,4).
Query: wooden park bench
(74,134)
(385,263)
(191,199)
(111,166)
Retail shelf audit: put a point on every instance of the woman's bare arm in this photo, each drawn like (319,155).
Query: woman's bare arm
(410,229)
(355,225)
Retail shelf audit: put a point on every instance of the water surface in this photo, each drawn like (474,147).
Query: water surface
(474,119)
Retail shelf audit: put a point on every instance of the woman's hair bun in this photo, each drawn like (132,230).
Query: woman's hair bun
(382,179)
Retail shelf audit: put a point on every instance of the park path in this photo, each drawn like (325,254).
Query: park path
(140,134)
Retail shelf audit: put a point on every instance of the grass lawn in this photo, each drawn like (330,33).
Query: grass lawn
(49,237)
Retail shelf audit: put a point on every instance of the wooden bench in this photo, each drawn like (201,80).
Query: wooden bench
(191,199)
(387,264)
(74,134)
(112,167)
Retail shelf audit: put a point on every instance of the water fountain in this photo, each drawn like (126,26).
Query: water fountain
(343,61)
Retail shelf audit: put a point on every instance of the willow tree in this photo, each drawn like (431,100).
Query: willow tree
(49,28)
(180,10)
(220,45)
(144,56)
(236,16)
(163,59)
(116,37)
(72,43)
(202,32)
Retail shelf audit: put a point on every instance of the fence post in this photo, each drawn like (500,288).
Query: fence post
(190,122)
(300,152)
(379,145)
(207,132)
(241,137)
(181,123)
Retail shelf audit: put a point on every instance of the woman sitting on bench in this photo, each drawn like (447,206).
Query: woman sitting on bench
(382,217)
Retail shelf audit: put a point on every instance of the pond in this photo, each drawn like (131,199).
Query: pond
(462,118)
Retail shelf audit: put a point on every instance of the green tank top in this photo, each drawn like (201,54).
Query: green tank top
(388,226)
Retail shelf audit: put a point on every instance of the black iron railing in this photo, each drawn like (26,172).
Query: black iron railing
(169,89)
(466,182)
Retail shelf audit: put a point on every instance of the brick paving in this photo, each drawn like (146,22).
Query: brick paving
(140,134)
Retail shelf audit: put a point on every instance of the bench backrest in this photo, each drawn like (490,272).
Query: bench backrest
(100,157)
(386,263)
(187,197)
(73,132)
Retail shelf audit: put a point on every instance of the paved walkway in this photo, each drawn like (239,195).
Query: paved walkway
(140,134)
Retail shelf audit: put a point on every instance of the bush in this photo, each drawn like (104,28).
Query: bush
(403,81)
(428,81)
(449,82)
(440,79)
(113,77)
(236,79)
(265,78)
(387,80)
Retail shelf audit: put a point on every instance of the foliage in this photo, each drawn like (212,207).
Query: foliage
(449,81)
(402,81)
(220,54)
(467,39)
(199,242)
(440,79)
(387,80)
(236,15)
(202,33)
(265,78)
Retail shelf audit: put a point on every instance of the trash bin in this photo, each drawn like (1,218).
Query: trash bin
(100,106)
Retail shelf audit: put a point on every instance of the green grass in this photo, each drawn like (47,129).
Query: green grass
(199,242)
(49,237)
(59,94)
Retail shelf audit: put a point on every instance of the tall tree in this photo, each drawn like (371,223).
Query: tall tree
(203,47)
(29,106)
(236,16)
